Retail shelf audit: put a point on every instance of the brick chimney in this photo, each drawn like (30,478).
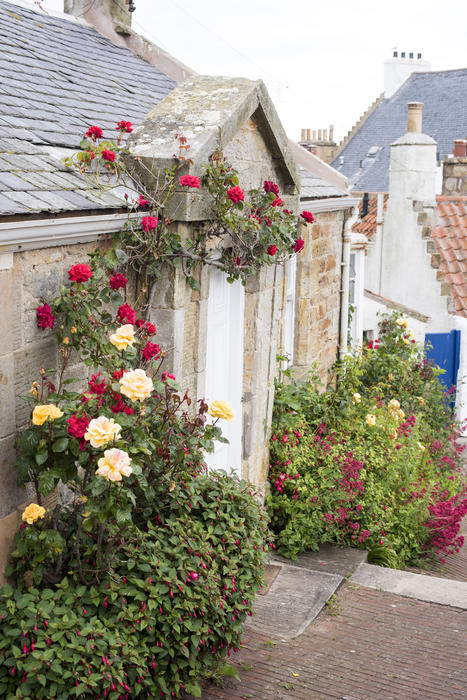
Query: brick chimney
(320,145)
(455,170)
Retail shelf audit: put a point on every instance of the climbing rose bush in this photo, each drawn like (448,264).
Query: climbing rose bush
(373,461)
(139,581)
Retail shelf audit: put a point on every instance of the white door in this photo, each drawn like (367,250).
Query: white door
(224,365)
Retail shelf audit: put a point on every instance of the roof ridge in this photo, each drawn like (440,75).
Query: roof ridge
(28,5)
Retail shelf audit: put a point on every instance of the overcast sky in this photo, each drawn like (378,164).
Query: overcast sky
(321,61)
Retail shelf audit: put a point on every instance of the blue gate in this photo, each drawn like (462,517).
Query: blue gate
(444,350)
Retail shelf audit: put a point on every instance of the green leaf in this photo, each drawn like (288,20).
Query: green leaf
(60,445)
(29,441)
(42,457)
(193,689)
(47,483)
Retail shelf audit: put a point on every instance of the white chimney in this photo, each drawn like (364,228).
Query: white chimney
(398,68)
(412,188)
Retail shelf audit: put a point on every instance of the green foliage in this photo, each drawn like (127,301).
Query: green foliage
(140,581)
(365,462)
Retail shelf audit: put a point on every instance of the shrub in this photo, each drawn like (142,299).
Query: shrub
(373,461)
(138,584)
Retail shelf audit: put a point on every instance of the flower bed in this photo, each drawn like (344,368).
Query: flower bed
(371,463)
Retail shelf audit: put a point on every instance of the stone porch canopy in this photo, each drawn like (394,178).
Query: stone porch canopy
(209,112)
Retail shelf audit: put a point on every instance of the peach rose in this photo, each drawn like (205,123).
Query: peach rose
(136,385)
(123,337)
(371,419)
(101,431)
(43,413)
(221,409)
(32,513)
(114,464)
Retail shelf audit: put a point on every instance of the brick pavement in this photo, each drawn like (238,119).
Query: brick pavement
(379,646)
(455,566)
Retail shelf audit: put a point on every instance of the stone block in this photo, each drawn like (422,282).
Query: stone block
(10,494)
(7,393)
(28,361)
(9,526)
(6,312)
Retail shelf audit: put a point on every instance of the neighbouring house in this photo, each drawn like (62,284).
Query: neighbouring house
(59,75)
(417,250)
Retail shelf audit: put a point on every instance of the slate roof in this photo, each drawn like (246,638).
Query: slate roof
(57,77)
(450,236)
(366,156)
(367,225)
(314,187)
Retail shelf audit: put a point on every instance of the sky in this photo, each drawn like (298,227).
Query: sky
(322,62)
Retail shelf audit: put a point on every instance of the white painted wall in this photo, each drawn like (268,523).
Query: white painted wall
(372,316)
(397,70)
(224,364)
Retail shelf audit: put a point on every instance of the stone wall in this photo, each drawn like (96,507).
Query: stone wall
(455,176)
(25,278)
(317,294)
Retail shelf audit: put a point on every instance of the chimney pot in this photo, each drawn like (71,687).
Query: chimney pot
(419,55)
(320,134)
(325,134)
(411,55)
(331,132)
(414,119)
(460,148)
(308,134)
(394,54)
(314,135)
(402,54)
(303,136)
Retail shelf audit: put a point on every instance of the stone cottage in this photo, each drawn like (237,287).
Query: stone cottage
(59,75)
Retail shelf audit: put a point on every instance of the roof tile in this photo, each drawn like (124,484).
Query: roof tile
(450,236)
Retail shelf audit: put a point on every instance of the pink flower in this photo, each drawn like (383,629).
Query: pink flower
(124,127)
(149,223)
(143,203)
(118,281)
(299,245)
(270,186)
(308,216)
(94,132)
(272,250)
(45,318)
(235,194)
(190,181)
(108,155)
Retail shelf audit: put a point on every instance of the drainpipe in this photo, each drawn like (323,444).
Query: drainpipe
(349,221)
(379,235)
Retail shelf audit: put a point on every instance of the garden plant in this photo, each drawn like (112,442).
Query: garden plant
(373,461)
(138,581)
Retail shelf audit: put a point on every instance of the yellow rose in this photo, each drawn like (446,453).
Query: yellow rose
(402,322)
(394,404)
(123,337)
(221,409)
(421,400)
(356,398)
(406,341)
(410,333)
(33,513)
(371,419)
(42,413)
(114,464)
(136,385)
(101,431)
(401,413)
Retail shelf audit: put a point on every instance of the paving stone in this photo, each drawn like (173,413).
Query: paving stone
(329,559)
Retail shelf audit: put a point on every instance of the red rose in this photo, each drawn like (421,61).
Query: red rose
(45,318)
(77,426)
(150,327)
(117,374)
(90,155)
(308,216)
(108,155)
(79,273)
(190,181)
(149,223)
(118,281)
(287,211)
(143,203)
(126,313)
(167,375)
(139,323)
(270,186)
(150,351)
(95,386)
(272,250)
(94,132)
(235,194)
(277,202)
(124,126)
(299,245)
